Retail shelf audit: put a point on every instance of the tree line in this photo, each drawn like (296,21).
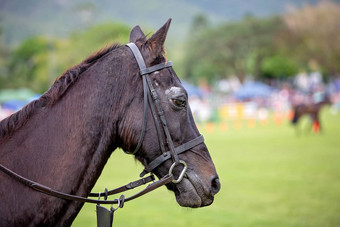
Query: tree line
(36,62)
(278,47)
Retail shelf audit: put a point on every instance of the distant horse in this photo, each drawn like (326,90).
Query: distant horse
(313,111)
(64,139)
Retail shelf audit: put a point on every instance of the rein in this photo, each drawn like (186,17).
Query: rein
(151,99)
(48,191)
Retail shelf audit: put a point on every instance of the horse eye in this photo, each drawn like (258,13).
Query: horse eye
(179,102)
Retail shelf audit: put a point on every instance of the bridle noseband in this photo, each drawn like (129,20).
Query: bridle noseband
(158,115)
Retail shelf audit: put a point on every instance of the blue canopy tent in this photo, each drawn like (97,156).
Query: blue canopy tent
(192,90)
(253,89)
(16,99)
(14,104)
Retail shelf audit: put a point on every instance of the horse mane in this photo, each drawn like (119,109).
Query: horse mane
(53,94)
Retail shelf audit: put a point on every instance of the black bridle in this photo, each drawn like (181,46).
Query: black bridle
(158,115)
(149,95)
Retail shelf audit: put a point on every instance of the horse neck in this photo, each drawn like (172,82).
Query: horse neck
(325,102)
(66,145)
(319,105)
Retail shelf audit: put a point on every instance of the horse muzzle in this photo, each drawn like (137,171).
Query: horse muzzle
(195,192)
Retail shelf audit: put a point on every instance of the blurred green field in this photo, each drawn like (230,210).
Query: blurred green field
(269,176)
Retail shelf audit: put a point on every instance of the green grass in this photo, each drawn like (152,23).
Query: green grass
(269,176)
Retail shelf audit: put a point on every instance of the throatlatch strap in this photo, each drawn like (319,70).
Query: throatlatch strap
(138,55)
(145,114)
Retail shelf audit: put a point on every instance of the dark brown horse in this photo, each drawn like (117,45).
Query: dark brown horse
(313,111)
(63,139)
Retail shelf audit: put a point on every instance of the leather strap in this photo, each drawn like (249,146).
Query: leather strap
(155,68)
(144,71)
(145,117)
(180,149)
(127,187)
(147,85)
(141,63)
(161,116)
(157,124)
(48,191)
(138,55)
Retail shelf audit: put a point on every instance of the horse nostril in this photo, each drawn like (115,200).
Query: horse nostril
(215,185)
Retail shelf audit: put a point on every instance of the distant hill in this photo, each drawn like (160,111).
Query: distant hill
(20,19)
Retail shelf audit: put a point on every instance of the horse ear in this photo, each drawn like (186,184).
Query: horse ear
(157,40)
(137,34)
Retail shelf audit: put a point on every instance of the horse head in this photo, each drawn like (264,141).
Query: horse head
(200,182)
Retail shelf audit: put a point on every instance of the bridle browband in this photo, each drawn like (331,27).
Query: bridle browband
(149,94)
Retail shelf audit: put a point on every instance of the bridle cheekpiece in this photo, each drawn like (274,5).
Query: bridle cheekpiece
(158,113)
